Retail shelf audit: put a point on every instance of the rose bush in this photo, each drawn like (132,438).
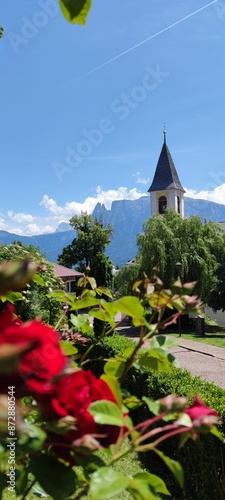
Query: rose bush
(201,415)
(43,358)
(63,414)
(75,393)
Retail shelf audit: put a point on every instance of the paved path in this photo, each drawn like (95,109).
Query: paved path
(199,358)
(202,359)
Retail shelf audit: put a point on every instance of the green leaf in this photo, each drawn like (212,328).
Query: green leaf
(128,352)
(154,481)
(93,465)
(114,368)
(75,11)
(59,294)
(54,477)
(153,406)
(155,360)
(106,483)
(21,481)
(106,413)
(68,348)
(91,280)
(216,433)
(183,439)
(80,322)
(85,303)
(101,290)
(12,297)
(32,440)
(140,491)
(174,467)
(110,307)
(132,402)
(146,486)
(163,341)
(132,307)
(102,315)
(159,300)
(38,279)
(38,491)
(114,385)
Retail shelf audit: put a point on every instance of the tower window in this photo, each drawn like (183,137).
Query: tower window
(178,204)
(162,204)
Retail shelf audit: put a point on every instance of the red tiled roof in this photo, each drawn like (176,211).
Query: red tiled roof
(66,272)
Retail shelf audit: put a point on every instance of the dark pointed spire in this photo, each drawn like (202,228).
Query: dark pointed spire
(166,176)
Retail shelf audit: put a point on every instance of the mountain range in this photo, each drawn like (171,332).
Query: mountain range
(126,217)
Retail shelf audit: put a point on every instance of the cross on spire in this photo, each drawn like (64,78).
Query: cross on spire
(164,132)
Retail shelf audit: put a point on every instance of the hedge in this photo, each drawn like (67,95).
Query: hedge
(203,460)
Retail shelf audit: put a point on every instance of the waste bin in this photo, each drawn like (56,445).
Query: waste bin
(200,326)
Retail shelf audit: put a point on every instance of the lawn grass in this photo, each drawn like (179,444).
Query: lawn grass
(129,465)
(214,335)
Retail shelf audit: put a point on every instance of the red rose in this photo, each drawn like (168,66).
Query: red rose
(43,360)
(201,414)
(75,393)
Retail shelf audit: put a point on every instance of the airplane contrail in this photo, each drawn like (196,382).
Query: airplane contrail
(142,42)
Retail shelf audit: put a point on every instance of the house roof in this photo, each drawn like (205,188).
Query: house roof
(66,274)
(166,176)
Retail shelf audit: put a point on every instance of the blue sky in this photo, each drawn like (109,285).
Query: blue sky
(83,108)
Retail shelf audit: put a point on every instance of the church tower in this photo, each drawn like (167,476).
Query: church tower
(166,190)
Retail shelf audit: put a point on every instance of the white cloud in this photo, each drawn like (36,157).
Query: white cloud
(17,230)
(29,225)
(34,228)
(20,217)
(217,195)
(88,205)
(3,225)
(139,179)
(31,229)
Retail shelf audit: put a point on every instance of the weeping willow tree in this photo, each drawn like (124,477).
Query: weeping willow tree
(197,246)
(125,279)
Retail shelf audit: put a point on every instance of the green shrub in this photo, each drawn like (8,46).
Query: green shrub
(203,461)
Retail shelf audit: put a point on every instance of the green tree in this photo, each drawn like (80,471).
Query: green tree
(36,302)
(125,279)
(91,240)
(216,298)
(197,245)
(86,252)
(102,270)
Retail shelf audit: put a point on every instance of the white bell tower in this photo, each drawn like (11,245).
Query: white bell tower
(166,190)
